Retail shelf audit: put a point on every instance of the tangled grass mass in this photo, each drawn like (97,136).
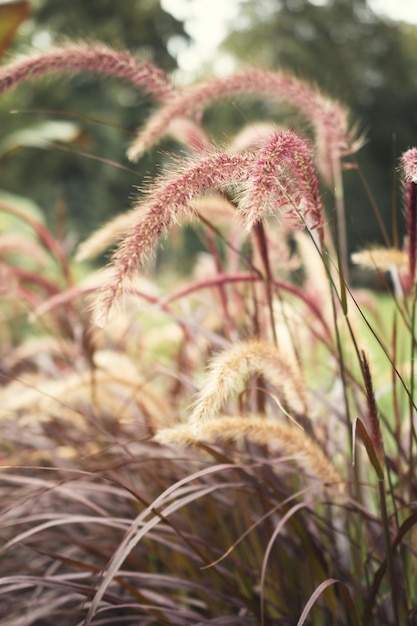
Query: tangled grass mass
(231,444)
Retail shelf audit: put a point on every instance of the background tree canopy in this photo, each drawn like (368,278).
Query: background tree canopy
(365,61)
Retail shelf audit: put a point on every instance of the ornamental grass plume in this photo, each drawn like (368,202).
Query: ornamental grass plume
(210,207)
(294,197)
(289,439)
(169,199)
(282,175)
(94,58)
(334,136)
(234,366)
(381,259)
(373,418)
(409,166)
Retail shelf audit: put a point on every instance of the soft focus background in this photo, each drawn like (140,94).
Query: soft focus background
(63,142)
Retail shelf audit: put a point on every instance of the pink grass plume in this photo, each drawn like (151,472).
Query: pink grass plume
(329,119)
(169,199)
(409,167)
(282,179)
(94,58)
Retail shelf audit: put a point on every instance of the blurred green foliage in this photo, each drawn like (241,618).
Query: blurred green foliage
(61,178)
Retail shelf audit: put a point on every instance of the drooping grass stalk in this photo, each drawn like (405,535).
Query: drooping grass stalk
(95,58)
(168,200)
(328,117)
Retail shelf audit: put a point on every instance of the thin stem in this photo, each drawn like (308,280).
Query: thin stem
(411,396)
(263,250)
(340,216)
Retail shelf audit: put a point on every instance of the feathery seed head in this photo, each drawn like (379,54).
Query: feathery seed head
(93,58)
(166,202)
(282,177)
(375,429)
(328,117)
(381,259)
(409,165)
(231,367)
(290,440)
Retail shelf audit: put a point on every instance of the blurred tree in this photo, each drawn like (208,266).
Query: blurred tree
(142,26)
(106,111)
(365,61)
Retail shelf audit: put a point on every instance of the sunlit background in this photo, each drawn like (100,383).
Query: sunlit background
(208,21)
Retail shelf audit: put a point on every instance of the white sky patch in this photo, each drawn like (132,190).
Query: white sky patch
(209,21)
(401,10)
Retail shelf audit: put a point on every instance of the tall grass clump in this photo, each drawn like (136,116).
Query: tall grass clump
(234,443)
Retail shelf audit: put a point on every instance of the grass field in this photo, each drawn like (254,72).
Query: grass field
(234,443)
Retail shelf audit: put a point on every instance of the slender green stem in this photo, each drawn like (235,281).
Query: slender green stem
(340,217)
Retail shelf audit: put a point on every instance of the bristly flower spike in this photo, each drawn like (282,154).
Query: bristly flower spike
(373,418)
(329,119)
(94,58)
(290,440)
(409,166)
(167,201)
(282,176)
(229,368)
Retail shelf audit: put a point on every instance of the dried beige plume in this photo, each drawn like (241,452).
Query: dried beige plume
(115,387)
(290,440)
(231,367)
(382,259)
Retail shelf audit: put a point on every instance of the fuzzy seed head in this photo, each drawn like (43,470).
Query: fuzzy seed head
(231,367)
(282,179)
(92,58)
(327,117)
(409,165)
(290,440)
(170,198)
(381,259)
